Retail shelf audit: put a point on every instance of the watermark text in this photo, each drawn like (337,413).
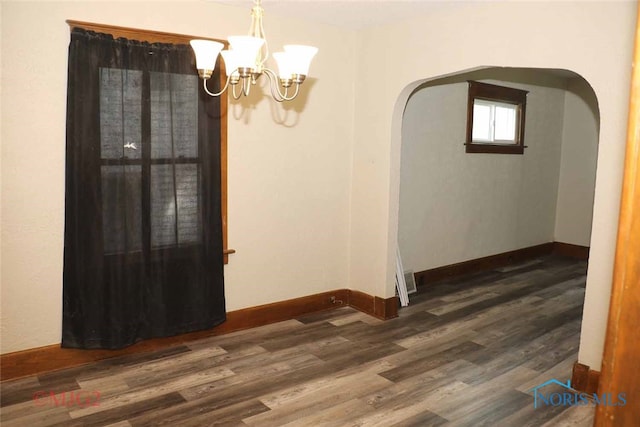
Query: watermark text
(74,398)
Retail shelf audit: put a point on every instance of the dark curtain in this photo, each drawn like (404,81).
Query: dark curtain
(143,234)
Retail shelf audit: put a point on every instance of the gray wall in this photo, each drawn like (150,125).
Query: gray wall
(578,164)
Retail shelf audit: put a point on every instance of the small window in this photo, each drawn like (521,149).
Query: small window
(495,119)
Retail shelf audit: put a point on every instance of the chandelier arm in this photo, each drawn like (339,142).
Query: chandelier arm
(273,86)
(275,90)
(204,84)
(295,93)
(236,97)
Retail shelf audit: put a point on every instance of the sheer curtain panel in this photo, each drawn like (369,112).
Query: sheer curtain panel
(143,253)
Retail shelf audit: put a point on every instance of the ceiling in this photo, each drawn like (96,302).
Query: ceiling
(360,14)
(346,14)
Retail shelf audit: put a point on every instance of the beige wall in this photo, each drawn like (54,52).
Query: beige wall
(593,39)
(456,206)
(288,182)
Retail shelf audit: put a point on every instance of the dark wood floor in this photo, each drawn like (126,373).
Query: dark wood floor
(466,352)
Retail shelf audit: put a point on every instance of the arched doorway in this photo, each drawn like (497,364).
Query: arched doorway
(456,206)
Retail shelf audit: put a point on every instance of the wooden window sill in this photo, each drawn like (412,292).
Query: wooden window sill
(226,253)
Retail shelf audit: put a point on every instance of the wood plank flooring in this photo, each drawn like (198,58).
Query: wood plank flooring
(465,352)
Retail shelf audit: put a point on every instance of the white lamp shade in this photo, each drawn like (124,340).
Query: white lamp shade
(206,52)
(246,48)
(301,57)
(285,64)
(231,61)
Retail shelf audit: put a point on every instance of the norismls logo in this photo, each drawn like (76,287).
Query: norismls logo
(570,397)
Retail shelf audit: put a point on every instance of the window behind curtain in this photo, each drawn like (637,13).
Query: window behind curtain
(168,168)
(143,216)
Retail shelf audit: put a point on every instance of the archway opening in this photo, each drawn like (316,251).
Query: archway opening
(457,207)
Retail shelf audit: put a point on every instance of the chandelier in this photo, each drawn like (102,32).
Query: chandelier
(245,62)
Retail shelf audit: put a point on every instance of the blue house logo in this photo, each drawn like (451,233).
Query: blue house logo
(547,398)
(570,397)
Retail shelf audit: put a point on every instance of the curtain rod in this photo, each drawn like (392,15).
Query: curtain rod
(150,36)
